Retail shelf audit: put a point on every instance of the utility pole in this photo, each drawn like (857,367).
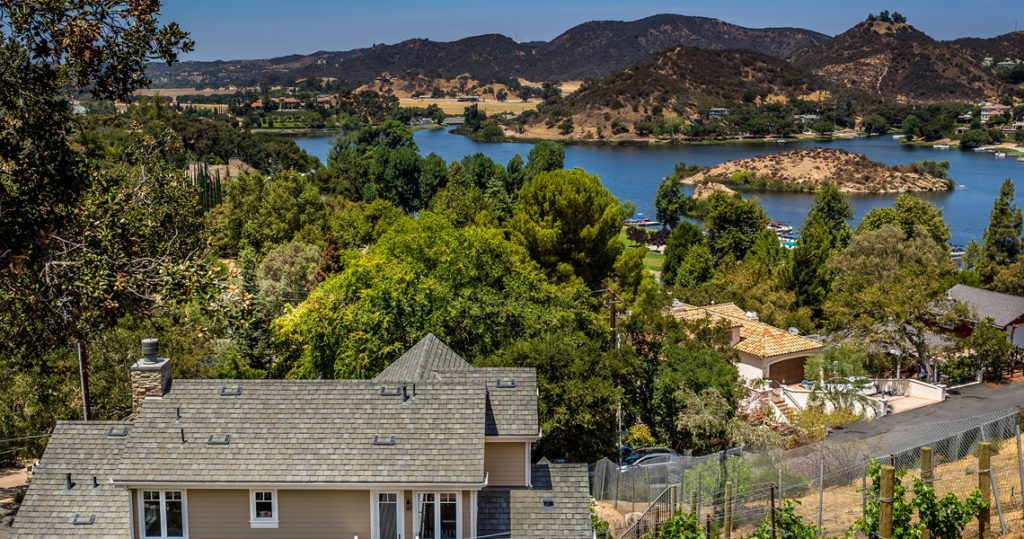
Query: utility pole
(83,373)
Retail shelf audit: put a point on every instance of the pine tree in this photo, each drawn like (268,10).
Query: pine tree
(1003,239)
(826,231)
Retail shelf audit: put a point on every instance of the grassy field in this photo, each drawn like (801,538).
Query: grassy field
(653,261)
(451,106)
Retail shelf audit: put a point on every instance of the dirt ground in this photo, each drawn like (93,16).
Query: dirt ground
(12,481)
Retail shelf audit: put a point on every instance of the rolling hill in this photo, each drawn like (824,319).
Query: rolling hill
(590,50)
(898,63)
(679,82)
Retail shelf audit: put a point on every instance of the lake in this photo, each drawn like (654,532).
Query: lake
(633,173)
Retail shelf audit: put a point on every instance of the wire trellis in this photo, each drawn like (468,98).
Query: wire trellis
(827,482)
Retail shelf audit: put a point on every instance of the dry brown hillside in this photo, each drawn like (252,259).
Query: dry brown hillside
(808,169)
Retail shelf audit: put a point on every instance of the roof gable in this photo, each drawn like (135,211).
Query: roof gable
(1002,308)
(756,338)
(308,431)
(418,363)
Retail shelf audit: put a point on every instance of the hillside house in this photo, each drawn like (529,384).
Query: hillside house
(1006,64)
(765,351)
(430,448)
(718,113)
(989,110)
(288,103)
(1006,311)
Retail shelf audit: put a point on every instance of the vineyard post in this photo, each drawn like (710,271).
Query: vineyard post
(728,509)
(984,484)
(926,478)
(885,503)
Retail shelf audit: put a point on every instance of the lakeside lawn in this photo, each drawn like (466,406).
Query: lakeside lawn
(652,261)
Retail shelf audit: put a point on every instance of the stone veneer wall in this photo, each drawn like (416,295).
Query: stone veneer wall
(148,379)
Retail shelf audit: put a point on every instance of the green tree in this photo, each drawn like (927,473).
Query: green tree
(577,395)
(696,369)
(887,287)
(874,124)
(287,273)
(670,202)
(470,286)
(825,232)
(1004,237)
(684,236)
(569,223)
(823,128)
(986,349)
(732,225)
(907,213)
(433,177)
(911,126)
(545,156)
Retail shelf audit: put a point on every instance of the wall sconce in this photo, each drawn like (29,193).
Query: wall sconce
(408,505)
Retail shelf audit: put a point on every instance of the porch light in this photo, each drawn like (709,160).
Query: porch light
(408,504)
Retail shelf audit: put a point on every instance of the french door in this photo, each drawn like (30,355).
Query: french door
(387,515)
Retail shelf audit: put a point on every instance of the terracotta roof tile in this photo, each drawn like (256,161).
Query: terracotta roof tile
(756,338)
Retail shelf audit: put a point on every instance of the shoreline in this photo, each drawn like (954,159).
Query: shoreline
(656,142)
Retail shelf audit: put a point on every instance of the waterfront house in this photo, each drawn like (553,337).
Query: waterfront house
(430,448)
(1005,311)
(288,103)
(765,351)
(989,110)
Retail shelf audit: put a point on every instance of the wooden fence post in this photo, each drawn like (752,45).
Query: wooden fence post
(985,485)
(673,497)
(926,478)
(728,509)
(771,506)
(885,503)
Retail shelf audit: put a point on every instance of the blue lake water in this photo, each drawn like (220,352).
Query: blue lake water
(633,173)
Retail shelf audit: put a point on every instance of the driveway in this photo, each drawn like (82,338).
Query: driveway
(959,404)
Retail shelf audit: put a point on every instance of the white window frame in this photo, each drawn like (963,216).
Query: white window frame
(437,510)
(264,522)
(375,512)
(140,505)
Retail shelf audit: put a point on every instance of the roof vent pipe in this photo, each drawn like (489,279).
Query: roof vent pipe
(405,394)
(150,349)
(68,484)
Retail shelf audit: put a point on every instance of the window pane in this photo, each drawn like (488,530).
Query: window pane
(387,513)
(264,510)
(151,514)
(426,528)
(174,520)
(173,495)
(449,520)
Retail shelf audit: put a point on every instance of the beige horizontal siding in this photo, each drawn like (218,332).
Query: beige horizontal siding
(505,463)
(303,513)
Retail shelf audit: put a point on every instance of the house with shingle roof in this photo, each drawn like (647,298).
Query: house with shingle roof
(765,351)
(1006,311)
(430,448)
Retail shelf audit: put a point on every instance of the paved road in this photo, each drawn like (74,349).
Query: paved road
(962,403)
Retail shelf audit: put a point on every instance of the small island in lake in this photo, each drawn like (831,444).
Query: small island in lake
(808,169)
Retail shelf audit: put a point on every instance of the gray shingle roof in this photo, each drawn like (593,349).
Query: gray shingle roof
(521,513)
(1003,308)
(419,362)
(308,431)
(84,450)
(511,398)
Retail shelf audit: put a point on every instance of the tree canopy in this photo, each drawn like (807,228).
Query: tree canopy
(569,223)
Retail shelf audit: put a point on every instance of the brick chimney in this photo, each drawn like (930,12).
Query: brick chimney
(151,376)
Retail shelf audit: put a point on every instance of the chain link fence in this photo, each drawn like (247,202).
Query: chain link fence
(828,480)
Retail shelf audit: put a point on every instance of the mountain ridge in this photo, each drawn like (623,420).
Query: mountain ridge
(589,50)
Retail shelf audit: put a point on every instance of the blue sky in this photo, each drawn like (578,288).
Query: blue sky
(230,29)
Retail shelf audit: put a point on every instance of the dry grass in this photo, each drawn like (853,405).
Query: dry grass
(490,106)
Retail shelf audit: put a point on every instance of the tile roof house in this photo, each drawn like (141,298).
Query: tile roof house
(1006,311)
(765,351)
(430,448)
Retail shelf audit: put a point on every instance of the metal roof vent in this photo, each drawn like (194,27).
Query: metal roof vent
(751,315)
(69,485)
(794,331)
(378,441)
(225,392)
(549,504)
(114,431)
(510,383)
(79,522)
(225,441)
(150,349)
